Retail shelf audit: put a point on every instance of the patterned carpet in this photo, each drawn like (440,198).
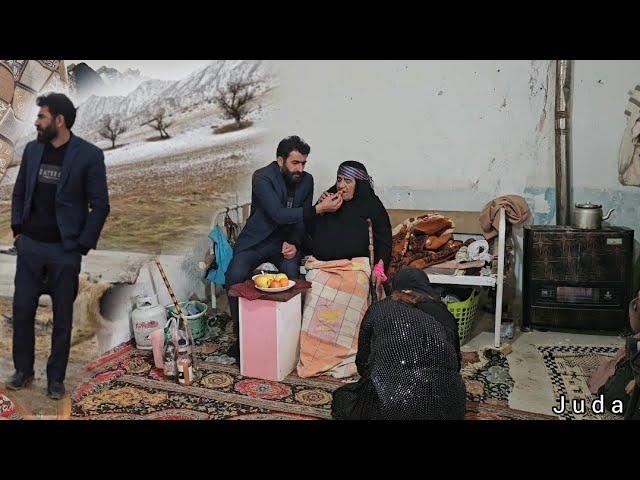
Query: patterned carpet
(490,411)
(124,385)
(569,368)
(486,375)
(488,382)
(10,409)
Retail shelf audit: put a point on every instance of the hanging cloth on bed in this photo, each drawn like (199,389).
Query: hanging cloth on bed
(516,212)
(231,227)
(223,254)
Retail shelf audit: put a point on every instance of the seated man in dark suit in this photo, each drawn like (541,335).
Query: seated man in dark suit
(281,200)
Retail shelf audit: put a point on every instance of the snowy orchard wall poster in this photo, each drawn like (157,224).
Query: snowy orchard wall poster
(174,153)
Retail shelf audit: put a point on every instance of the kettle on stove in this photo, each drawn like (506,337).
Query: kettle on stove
(589,216)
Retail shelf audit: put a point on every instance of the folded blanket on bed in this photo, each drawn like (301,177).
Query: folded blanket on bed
(423,241)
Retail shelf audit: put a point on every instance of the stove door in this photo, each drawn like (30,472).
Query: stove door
(563,296)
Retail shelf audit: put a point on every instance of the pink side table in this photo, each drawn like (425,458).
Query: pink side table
(269,337)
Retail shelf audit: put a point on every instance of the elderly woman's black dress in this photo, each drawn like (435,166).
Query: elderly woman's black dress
(409,366)
(345,233)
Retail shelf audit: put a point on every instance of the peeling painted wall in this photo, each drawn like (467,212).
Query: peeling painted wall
(452,135)
(601,91)
(423,127)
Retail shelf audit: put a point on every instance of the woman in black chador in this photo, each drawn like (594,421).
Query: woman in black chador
(340,273)
(408,358)
(344,233)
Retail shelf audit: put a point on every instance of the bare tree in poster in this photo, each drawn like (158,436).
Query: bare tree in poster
(158,122)
(111,128)
(234,99)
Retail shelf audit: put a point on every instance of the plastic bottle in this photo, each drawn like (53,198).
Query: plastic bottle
(185,365)
(170,357)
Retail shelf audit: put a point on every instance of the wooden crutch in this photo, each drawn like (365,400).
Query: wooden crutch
(372,279)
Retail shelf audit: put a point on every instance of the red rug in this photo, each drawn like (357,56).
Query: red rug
(123,384)
(10,409)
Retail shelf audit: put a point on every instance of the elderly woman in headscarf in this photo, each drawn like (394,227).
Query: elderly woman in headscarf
(344,233)
(340,271)
(408,358)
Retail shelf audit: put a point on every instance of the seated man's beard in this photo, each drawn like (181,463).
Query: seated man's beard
(47,134)
(289,177)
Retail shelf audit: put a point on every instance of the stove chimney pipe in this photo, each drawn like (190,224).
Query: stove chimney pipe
(563,140)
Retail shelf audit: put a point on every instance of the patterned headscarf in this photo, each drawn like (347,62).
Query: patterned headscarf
(354,172)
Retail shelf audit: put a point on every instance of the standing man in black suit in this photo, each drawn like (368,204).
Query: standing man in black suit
(59,206)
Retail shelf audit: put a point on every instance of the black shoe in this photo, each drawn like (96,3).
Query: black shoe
(20,380)
(55,390)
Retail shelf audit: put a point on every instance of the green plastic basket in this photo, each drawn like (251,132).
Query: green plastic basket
(197,323)
(465,313)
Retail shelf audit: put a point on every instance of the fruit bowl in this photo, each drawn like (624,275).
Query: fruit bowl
(272,290)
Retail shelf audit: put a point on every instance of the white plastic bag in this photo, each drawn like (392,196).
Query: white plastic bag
(629,155)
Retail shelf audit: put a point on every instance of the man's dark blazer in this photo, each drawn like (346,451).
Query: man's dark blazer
(82,185)
(269,208)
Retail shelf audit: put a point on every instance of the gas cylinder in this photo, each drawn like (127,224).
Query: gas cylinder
(145,318)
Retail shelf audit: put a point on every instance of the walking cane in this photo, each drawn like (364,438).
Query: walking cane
(372,280)
(179,312)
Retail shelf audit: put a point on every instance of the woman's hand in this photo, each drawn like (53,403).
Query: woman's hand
(380,279)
